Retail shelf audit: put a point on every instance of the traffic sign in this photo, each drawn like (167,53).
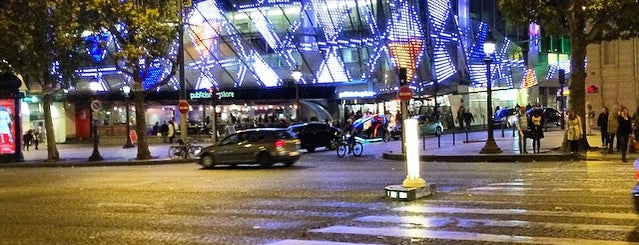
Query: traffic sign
(405,93)
(96,105)
(183,106)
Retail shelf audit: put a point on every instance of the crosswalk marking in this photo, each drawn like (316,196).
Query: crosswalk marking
(516,211)
(544,189)
(308,242)
(431,222)
(461,236)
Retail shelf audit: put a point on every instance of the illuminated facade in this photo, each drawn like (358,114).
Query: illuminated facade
(342,43)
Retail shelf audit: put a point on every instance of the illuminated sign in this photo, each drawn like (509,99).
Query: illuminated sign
(7,127)
(199,95)
(356,94)
(225,94)
(206,95)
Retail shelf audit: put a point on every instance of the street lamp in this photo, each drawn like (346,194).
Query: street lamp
(297,75)
(96,107)
(490,147)
(126,89)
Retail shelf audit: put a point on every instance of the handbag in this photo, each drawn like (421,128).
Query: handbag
(529,134)
(633,143)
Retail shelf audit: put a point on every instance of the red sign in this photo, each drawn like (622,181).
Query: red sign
(7,126)
(183,106)
(405,93)
(134,136)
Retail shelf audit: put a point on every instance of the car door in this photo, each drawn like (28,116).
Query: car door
(225,151)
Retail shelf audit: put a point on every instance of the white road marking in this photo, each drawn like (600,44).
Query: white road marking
(306,242)
(462,236)
(421,209)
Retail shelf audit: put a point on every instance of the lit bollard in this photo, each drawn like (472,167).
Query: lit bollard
(413,180)
(414,186)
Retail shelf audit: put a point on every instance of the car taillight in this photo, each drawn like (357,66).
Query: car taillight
(280,143)
(637,170)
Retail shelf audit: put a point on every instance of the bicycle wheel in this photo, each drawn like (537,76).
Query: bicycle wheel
(174,152)
(358,149)
(194,150)
(341,150)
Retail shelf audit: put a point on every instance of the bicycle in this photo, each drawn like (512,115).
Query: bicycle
(355,147)
(184,150)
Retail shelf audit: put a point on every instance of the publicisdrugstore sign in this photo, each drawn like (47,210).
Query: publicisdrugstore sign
(198,95)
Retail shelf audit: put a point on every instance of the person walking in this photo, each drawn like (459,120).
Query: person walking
(602,123)
(537,128)
(27,138)
(468,119)
(164,130)
(590,118)
(171,131)
(623,131)
(613,124)
(460,117)
(573,131)
(522,127)
(36,138)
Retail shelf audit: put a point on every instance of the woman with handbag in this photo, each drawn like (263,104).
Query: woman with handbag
(624,131)
(573,131)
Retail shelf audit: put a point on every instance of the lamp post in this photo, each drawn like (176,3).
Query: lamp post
(96,106)
(297,75)
(490,147)
(126,89)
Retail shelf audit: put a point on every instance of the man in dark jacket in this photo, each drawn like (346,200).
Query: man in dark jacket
(602,123)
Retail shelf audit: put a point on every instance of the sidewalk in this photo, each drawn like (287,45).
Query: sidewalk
(463,149)
(443,149)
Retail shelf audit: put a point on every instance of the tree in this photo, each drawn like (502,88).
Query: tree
(40,41)
(144,31)
(584,22)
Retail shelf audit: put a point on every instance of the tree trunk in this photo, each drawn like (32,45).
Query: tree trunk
(52,150)
(578,82)
(140,119)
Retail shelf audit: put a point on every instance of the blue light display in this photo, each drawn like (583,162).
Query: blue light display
(257,44)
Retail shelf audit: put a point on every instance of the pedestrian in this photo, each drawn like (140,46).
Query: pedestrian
(156,128)
(460,117)
(613,124)
(171,131)
(590,118)
(623,131)
(522,127)
(537,128)
(468,119)
(27,138)
(36,138)
(164,130)
(602,123)
(573,131)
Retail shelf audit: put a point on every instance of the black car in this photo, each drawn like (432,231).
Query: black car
(550,115)
(316,134)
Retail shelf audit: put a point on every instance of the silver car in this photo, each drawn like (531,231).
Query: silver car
(263,146)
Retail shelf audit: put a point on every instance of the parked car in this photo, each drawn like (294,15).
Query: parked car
(316,134)
(501,117)
(427,126)
(550,115)
(263,146)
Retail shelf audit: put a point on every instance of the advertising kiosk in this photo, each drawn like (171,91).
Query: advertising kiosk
(10,123)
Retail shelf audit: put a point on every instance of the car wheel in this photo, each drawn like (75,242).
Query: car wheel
(207,161)
(438,131)
(288,164)
(333,143)
(264,159)
(310,148)
(387,136)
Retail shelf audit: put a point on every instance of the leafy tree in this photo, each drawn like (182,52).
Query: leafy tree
(584,22)
(40,40)
(145,31)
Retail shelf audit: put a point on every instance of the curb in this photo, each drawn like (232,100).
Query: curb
(488,158)
(70,163)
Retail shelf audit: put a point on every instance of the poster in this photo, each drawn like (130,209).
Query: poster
(7,126)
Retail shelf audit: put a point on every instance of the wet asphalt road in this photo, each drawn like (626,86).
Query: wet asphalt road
(320,200)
